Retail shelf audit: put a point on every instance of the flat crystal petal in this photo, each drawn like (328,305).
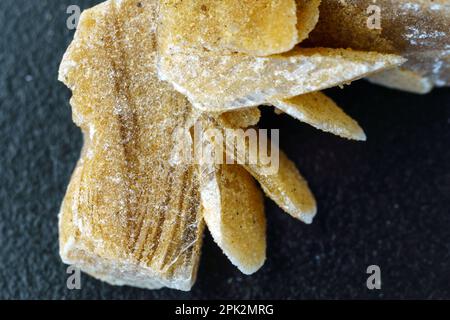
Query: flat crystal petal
(322,113)
(255,27)
(403,79)
(233,208)
(226,82)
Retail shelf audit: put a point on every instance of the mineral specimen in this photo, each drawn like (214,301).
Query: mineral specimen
(402,79)
(322,113)
(130,215)
(307,17)
(215,82)
(233,209)
(134,211)
(416,29)
(256,27)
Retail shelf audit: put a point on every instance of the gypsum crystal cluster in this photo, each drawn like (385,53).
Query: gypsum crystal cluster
(140,70)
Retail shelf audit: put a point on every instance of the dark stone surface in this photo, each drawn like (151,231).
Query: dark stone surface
(384,202)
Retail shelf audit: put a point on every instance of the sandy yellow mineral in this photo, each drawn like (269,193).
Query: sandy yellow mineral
(307,17)
(215,82)
(322,113)
(416,29)
(132,215)
(256,27)
(285,186)
(145,73)
(403,79)
(233,208)
(129,216)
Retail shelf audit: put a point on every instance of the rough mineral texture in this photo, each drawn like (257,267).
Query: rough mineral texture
(129,216)
(415,29)
(286,186)
(403,79)
(241,118)
(233,208)
(256,27)
(322,113)
(225,82)
(133,213)
(307,17)
(400,220)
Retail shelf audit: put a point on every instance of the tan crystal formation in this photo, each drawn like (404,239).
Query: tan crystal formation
(286,187)
(322,113)
(256,27)
(134,212)
(403,79)
(307,17)
(129,216)
(415,29)
(225,82)
(132,215)
(233,208)
(241,118)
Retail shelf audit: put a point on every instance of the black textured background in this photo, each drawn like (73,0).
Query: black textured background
(384,202)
